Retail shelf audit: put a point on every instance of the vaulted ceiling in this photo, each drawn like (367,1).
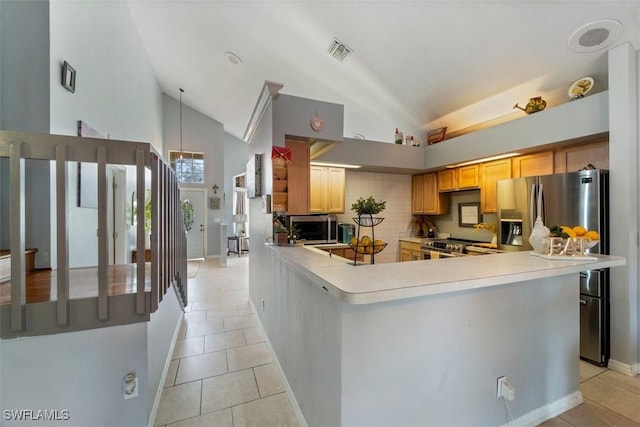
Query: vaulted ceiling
(415,65)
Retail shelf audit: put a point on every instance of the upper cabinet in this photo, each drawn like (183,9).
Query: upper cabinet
(298,178)
(571,159)
(468,177)
(533,164)
(426,199)
(327,186)
(491,173)
(447,180)
(461,178)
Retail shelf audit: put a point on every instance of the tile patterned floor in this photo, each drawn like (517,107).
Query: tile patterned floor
(222,373)
(610,399)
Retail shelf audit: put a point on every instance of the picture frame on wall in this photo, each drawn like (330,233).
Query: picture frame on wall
(469,214)
(254,176)
(68,77)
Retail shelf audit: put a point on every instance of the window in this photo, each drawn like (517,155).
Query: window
(189,166)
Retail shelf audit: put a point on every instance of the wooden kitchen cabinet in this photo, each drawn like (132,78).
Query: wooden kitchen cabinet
(468,177)
(447,180)
(532,164)
(492,172)
(462,178)
(417,194)
(572,159)
(327,186)
(347,253)
(435,203)
(298,178)
(425,197)
(410,251)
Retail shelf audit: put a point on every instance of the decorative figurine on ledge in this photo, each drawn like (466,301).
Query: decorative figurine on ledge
(533,106)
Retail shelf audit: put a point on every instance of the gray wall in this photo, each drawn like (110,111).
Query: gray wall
(205,135)
(624,80)
(24,105)
(236,154)
(292,116)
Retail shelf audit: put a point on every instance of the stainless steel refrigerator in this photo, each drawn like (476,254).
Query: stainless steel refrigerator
(575,198)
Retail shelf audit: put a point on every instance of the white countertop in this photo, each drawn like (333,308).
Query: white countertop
(366,283)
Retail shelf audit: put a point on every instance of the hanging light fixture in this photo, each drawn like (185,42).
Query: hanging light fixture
(181,92)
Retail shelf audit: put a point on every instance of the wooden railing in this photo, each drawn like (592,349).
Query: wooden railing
(168,265)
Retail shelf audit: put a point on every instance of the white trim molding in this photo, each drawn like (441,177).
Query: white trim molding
(624,368)
(269,91)
(546,412)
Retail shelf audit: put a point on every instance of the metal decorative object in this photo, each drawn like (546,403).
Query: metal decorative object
(533,106)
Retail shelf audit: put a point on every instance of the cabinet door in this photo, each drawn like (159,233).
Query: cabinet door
(336,184)
(468,177)
(417,194)
(318,189)
(447,180)
(533,164)
(572,159)
(405,255)
(298,178)
(491,173)
(434,202)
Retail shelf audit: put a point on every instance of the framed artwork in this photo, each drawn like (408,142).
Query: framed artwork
(254,176)
(468,214)
(68,77)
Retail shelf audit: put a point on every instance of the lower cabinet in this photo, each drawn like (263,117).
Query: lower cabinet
(410,251)
(344,253)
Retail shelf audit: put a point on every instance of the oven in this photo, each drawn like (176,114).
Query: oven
(443,248)
(438,254)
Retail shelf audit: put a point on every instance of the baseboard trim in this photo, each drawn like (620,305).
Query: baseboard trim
(165,371)
(276,362)
(624,368)
(546,412)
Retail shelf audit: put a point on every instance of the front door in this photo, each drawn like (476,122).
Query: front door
(196,235)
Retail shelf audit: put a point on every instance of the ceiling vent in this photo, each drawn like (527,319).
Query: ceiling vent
(595,36)
(339,50)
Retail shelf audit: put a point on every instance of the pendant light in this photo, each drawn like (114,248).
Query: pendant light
(181,92)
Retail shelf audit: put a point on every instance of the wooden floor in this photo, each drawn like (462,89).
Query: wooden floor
(83,283)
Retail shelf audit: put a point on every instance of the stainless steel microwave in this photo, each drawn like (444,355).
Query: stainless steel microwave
(316,229)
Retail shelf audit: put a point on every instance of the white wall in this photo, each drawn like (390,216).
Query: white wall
(161,331)
(204,135)
(81,372)
(116,94)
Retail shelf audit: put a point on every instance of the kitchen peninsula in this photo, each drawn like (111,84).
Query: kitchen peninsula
(423,343)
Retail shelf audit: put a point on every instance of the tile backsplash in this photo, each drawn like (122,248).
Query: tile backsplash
(396,191)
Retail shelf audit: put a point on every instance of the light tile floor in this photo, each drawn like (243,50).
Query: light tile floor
(222,373)
(610,399)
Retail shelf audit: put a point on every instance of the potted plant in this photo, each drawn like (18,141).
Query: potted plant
(280,232)
(366,209)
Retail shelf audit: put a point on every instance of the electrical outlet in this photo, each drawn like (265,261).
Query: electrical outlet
(505,389)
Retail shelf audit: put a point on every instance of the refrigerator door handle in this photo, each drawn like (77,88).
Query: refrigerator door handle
(541,207)
(532,215)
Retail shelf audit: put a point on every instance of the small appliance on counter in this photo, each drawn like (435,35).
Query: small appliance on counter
(346,232)
(315,229)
